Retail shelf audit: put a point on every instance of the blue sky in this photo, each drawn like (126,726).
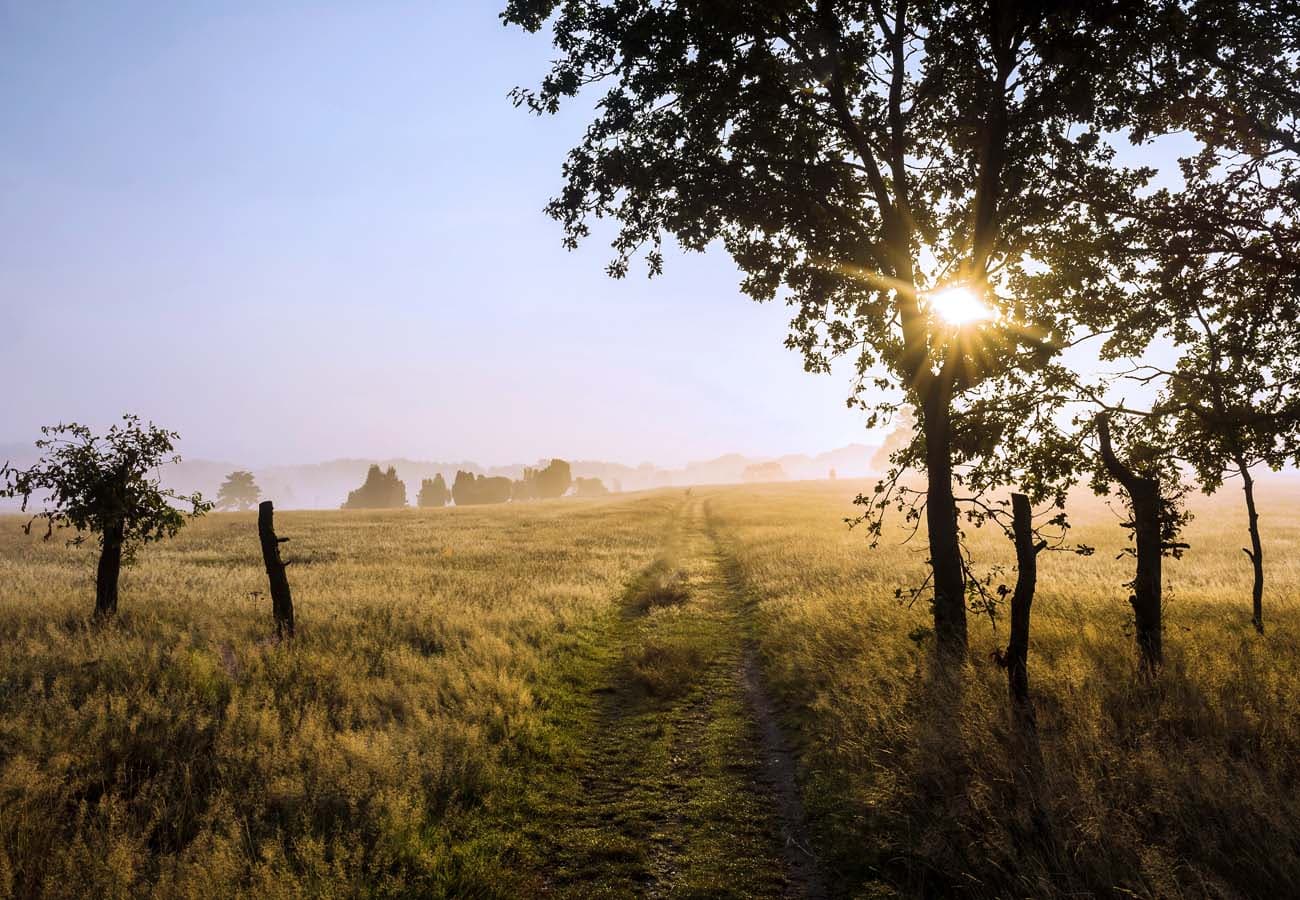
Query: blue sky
(296,231)
(300,231)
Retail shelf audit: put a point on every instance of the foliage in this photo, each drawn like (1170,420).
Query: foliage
(471,490)
(1225,290)
(97,484)
(381,490)
(589,487)
(854,158)
(238,491)
(433,492)
(547,483)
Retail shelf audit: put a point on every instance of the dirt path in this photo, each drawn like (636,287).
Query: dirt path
(684,786)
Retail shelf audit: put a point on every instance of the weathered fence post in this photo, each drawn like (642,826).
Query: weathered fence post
(281,600)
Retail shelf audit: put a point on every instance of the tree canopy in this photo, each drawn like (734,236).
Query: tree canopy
(381,490)
(238,491)
(433,492)
(856,159)
(107,486)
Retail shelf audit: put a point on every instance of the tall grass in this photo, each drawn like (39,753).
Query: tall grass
(437,681)
(182,752)
(1186,787)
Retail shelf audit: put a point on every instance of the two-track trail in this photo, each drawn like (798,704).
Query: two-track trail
(682,785)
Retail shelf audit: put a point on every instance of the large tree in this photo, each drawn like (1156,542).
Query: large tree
(107,486)
(857,159)
(1220,254)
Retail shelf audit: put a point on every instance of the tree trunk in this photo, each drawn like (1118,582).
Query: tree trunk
(281,600)
(941,523)
(1017,656)
(110,567)
(1144,497)
(1256,551)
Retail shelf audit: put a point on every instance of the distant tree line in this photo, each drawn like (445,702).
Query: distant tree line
(384,490)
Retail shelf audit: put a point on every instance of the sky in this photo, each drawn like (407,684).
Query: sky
(294,232)
(301,231)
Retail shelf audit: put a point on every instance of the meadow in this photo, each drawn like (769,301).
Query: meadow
(672,693)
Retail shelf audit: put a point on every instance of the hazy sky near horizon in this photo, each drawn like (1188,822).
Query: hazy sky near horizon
(296,231)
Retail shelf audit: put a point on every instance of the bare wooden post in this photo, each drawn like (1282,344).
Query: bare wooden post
(281,600)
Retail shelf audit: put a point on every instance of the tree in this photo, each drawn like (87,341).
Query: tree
(590,487)
(381,490)
(433,492)
(1225,282)
(1155,518)
(106,486)
(239,491)
(1221,275)
(554,480)
(1008,434)
(857,160)
(471,490)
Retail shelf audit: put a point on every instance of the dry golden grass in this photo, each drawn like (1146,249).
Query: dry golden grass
(1185,788)
(181,752)
(444,670)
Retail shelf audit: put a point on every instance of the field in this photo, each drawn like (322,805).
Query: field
(698,693)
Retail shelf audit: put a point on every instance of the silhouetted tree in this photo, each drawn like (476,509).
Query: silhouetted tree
(855,158)
(1221,254)
(433,492)
(1156,517)
(554,480)
(107,486)
(239,491)
(381,490)
(589,487)
(524,488)
(471,490)
(462,487)
(1225,290)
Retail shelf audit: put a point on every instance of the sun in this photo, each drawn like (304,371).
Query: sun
(959,305)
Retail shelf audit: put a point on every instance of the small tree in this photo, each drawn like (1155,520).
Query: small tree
(239,491)
(433,492)
(554,480)
(381,490)
(106,486)
(1153,496)
(590,487)
(471,490)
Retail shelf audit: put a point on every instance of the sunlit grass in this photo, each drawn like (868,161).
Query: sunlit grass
(416,738)
(182,751)
(1186,788)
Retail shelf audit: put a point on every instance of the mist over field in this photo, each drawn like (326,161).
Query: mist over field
(650,448)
